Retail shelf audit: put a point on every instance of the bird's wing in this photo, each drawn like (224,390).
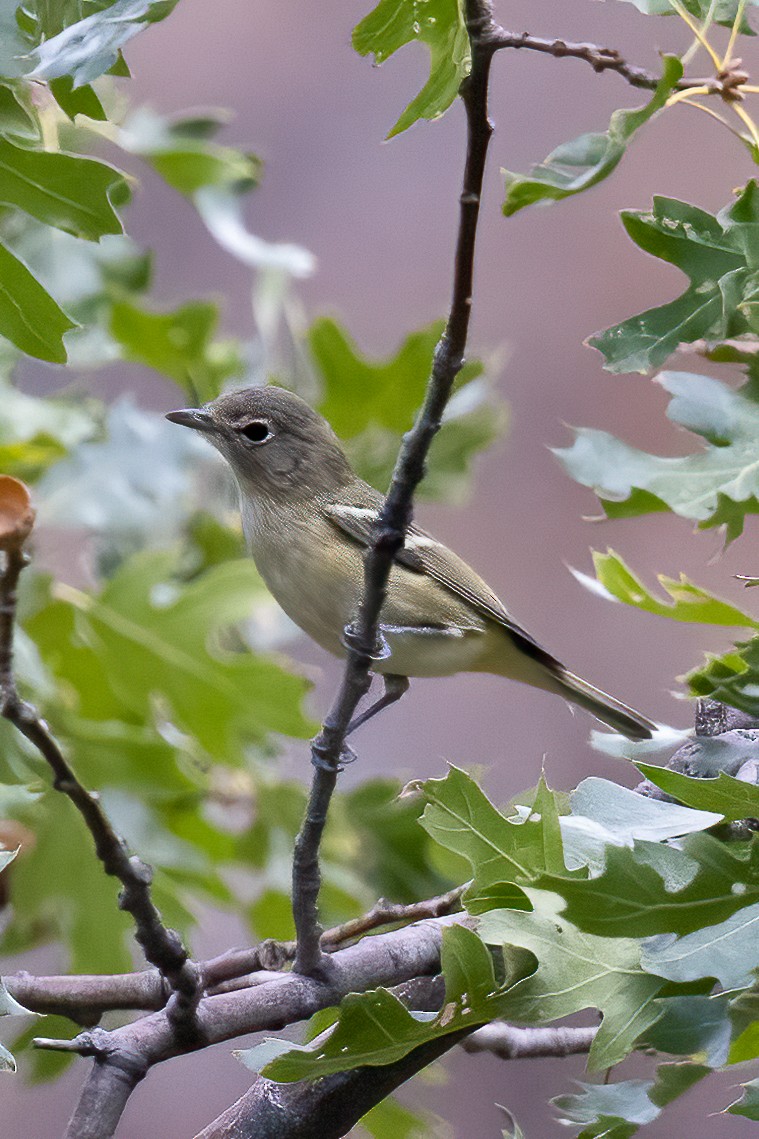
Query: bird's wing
(424,554)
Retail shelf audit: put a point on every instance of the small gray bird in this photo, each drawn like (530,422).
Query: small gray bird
(308,519)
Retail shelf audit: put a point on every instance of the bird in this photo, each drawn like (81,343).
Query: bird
(308,521)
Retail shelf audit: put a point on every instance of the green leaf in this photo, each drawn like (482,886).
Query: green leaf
(733,798)
(371,404)
(715,253)
(576,971)
(182,152)
(621,1108)
(393,1120)
(75,101)
(717,485)
(695,1026)
(617,1111)
(147,636)
(29,317)
(732,678)
(576,166)
(461,818)
(439,24)
(63,190)
(620,816)
(375,1029)
(371,824)
(179,344)
(18,116)
(701,884)
(90,47)
(726,951)
(748,1104)
(688,602)
(60,892)
(358,393)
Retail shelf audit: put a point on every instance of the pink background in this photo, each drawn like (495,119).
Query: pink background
(380,218)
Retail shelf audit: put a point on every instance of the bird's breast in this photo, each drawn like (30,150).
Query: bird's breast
(314,577)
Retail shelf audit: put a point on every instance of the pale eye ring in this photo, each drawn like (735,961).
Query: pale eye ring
(256,431)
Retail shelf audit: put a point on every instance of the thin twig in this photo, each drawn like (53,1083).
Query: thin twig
(329,746)
(600,58)
(162,946)
(233,965)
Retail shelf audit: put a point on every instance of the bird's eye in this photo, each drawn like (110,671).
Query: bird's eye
(257,431)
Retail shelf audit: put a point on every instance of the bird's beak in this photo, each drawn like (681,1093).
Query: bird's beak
(196,417)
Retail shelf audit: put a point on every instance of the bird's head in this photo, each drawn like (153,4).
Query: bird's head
(277,446)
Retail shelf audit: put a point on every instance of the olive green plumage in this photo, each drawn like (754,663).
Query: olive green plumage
(308,519)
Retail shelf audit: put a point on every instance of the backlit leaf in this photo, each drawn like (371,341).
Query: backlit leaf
(439,24)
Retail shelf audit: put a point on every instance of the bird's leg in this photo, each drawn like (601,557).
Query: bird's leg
(395,686)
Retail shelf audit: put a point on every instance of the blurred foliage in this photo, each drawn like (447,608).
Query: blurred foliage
(161,669)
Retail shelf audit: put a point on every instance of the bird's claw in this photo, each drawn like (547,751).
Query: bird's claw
(321,757)
(350,639)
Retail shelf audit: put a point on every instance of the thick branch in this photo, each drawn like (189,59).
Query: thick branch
(84,998)
(387,959)
(328,1108)
(162,947)
(320,1109)
(395,516)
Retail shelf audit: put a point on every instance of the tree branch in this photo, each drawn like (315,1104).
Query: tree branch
(320,1109)
(362,637)
(600,58)
(162,947)
(328,1108)
(386,959)
(511,1043)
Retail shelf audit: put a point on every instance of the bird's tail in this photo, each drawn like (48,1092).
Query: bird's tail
(604,707)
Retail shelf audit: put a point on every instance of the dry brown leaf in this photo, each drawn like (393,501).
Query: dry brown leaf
(16,513)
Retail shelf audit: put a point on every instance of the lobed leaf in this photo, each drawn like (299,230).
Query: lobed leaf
(689,602)
(660,889)
(576,971)
(178,344)
(715,252)
(716,486)
(439,25)
(500,851)
(726,951)
(735,799)
(375,1028)
(370,404)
